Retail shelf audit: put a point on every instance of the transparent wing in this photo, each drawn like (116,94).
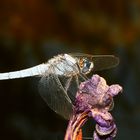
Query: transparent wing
(101,62)
(52,90)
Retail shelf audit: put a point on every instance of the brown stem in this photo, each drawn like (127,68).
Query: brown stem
(74,131)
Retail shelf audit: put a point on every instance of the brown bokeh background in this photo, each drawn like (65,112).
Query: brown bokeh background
(33,31)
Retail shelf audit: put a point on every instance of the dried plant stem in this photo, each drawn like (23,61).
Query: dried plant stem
(74,131)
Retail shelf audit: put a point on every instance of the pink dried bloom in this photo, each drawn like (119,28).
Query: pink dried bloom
(94,99)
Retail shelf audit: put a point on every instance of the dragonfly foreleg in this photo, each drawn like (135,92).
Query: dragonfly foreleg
(68,83)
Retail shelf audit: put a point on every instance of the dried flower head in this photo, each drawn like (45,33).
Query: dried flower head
(94,99)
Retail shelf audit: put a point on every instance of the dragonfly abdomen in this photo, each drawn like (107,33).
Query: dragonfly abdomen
(33,71)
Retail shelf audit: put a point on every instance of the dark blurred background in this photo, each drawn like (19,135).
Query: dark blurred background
(32,31)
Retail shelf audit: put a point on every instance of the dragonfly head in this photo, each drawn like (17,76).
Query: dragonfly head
(85,65)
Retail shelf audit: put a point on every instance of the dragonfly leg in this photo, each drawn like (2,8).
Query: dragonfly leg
(68,83)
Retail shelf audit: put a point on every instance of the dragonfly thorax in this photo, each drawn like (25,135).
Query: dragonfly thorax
(63,65)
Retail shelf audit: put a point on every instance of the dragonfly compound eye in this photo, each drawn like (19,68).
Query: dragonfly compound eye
(85,65)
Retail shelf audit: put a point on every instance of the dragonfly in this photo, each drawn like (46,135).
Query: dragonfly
(61,75)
